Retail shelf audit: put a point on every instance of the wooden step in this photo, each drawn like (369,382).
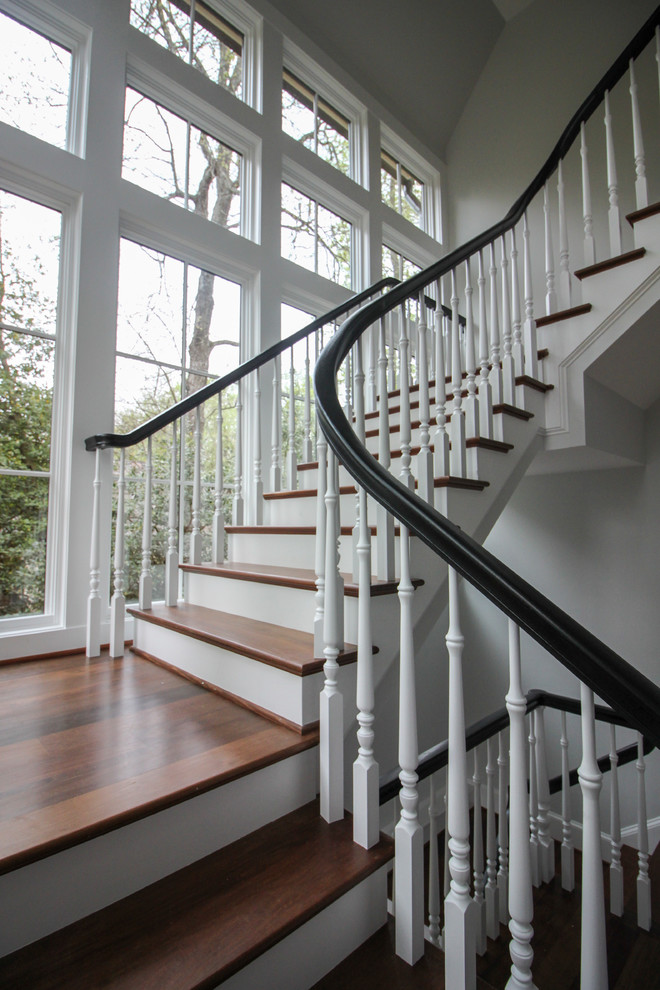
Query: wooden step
(306,492)
(563,314)
(609,263)
(542,353)
(534,383)
(289,577)
(643,214)
(205,922)
(277,646)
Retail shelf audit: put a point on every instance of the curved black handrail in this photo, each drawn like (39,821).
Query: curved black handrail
(607,674)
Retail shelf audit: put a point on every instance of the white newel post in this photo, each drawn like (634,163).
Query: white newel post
(218,514)
(196,534)
(384,520)
(503,828)
(643,879)
(118,603)
(424,457)
(440,436)
(613,215)
(521,905)
(276,430)
(478,860)
(460,910)
(145,575)
(567,850)
(492,897)
(172,559)
(258,487)
(408,835)
(457,458)
(587,215)
(434,865)
(593,969)
(93,647)
(616,872)
(237,505)
(319,566)
(331,713)
(485,388)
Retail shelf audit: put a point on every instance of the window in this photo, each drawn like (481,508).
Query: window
(315,237)
(198,34)
(36,82)
(401,189)
(174,159)
(315,123)
(30,236)
(396,264)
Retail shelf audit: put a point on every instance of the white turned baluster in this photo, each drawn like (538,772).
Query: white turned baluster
(258,487)
(641,190)
(593,969)
(492,896)
(613,216)
(196,533)
(496,369)
(564,257)
(276,430)
(409,835)
(588,220)
(425,456)
(319,565)
(545,840)
(550,294)
(391,332)
(460,910)
(145,574)
(616,872)
(358,398)
(118,603)
(567,851)
(643,879)
(534,851)
(404,392)
(93,646)
(440,436)
(457,458)
(307,415)
(384,520)
(291,459)
(434,866)
(508,370)
(471,400)
(478,861)
(218,513)
(503,829)
(172,558)
(516,318)
(331,703)
(446,877)
(529,327)
(521,905)
(372,384)
(485,388)
(237,506)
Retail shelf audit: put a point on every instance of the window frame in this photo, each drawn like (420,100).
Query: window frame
(392,144)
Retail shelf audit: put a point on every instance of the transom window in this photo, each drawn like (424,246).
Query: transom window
(401,189)
(195,32)
(173,158)
(315,237)
(314,122)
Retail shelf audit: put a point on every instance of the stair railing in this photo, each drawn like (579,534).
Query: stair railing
(512,361)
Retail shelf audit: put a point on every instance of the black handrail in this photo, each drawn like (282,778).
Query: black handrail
(436,758)
(612,678)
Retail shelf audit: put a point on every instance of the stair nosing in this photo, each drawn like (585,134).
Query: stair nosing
(275,577)
(609,263)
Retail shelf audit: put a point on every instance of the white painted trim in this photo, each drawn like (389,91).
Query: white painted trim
(628,835)
(431,214)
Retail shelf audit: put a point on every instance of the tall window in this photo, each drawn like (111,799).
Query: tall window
(29,274)
(315,237)
(314,122)
(196,33)
(36,81)
(175,159)
(401,189)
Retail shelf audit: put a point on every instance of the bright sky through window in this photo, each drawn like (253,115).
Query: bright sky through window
(400,189)
(314,122)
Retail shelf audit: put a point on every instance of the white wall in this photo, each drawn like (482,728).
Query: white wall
(543,65)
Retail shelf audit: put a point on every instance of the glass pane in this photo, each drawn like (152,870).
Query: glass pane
(391,262)
(334,235)
(166,21)
(154,155)
(213,322)
(388,182)
(411,197)
(29,263)
(298,227)
(26,399)
(214,184)
(23,532)
(332,136)
(36,75)
(218,49)
(298,110)
(150,310)
(141,391)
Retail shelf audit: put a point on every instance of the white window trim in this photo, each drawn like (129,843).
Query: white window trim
(406,247)
(153,84)
(308,71)
(66,30)
(429,176)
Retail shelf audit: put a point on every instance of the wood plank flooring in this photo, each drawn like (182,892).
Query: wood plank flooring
(88,745)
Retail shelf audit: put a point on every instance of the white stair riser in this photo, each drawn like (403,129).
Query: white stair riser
(44,896)
(294,549)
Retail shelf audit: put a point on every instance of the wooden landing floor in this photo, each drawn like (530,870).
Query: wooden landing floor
(89,745)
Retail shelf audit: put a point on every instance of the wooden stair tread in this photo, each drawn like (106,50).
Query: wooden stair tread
(200,925)
(289,577)
(643,214)
(534,383)
(563,314)
(509,410)
(307,492)
(277,646)
(616,262)
(469,484)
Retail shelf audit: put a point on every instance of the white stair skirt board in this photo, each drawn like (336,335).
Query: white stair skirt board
(38,899)
(311,951)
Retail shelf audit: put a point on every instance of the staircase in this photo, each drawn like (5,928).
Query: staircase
(221,867)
